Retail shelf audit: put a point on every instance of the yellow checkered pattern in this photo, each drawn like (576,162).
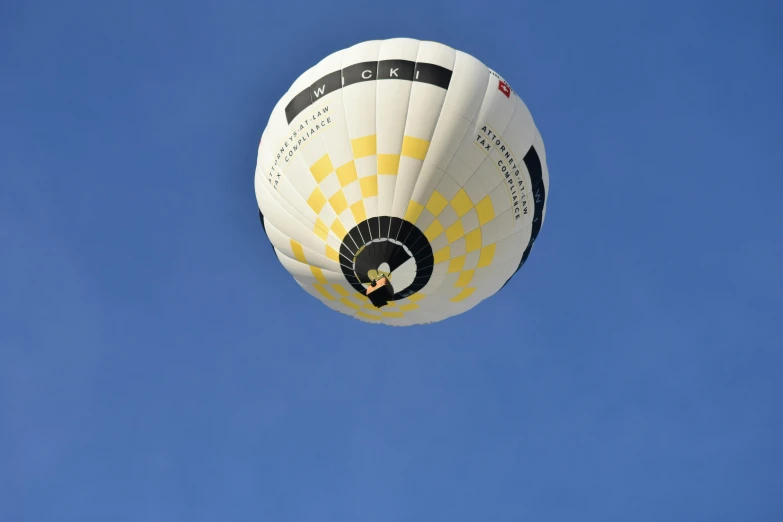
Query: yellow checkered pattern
(461,205)
(324,196)
(330,191)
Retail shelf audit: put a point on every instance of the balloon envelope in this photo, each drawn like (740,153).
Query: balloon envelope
(404,167)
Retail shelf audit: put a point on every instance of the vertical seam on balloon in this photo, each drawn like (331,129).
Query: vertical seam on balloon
(405,125)
(348,133)
(377,153)
(472,122)
(437,122)
(377,158)
(326,148)
(415,183)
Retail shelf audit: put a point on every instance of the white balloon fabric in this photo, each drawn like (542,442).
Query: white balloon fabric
(405,159)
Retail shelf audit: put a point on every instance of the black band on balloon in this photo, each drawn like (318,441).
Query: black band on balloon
(533,164)
(405,70)
(388,240)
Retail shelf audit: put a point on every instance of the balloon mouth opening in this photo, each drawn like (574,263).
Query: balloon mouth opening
(382,250)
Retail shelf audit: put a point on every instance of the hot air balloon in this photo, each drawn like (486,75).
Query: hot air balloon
(401,181)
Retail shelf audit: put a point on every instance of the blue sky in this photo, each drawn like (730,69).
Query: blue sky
(158,364)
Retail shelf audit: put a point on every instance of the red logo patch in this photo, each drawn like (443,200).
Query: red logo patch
(504,88)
